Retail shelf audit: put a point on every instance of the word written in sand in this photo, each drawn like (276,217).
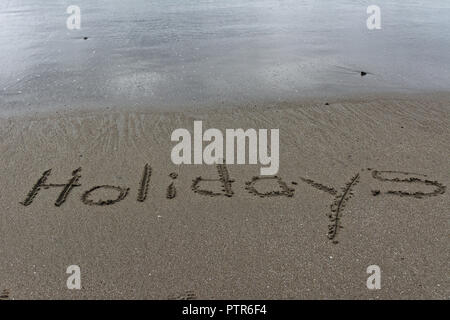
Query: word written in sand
(235,139)
(257,186)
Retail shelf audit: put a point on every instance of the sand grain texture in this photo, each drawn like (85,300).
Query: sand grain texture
(166,241)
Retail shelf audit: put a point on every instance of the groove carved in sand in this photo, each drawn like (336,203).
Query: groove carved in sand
(186,295)
(67,188)
(224,179)
(122,194)
(143,186)
(439,188)
(338,206)
(171,189)
(4,295)
(284,189)
(319,186)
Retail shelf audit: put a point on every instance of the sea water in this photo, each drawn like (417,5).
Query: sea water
(176,53)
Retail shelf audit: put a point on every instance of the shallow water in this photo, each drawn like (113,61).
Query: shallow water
(172,53)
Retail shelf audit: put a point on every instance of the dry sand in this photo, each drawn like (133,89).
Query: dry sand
(239,247)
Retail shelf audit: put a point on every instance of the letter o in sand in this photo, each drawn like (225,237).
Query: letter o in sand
(122,194)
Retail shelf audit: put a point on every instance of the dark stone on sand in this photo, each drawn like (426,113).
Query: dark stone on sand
(85,38)
(363,73)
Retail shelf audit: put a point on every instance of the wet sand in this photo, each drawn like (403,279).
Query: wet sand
(378,168)
(175,54)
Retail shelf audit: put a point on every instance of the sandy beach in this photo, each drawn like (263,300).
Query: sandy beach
(379,167)
(91,93)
